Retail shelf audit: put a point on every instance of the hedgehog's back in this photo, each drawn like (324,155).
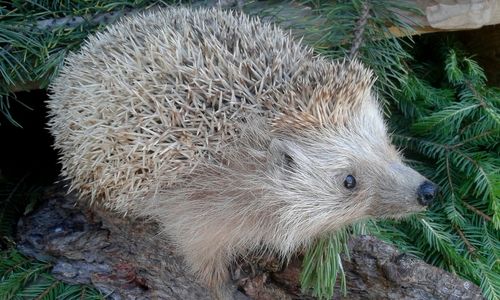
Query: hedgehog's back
(161,90)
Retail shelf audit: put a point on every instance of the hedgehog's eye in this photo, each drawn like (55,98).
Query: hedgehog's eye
(350,182)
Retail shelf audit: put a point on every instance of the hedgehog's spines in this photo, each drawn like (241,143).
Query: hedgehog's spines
(229,134)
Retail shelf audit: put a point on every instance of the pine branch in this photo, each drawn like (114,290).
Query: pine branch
(75,21)
(35,37)
(359,30)
(477,211)
(457,140)
(450,129)
(490,283)
(13,267)
(322,265)
(48,290)
(25,278)
(476,94)
(65,23)
(470,248)
(487,133)
(455,217)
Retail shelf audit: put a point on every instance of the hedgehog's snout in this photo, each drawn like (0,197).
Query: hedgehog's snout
(426,193)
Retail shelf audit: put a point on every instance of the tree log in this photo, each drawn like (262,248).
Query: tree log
(129,259)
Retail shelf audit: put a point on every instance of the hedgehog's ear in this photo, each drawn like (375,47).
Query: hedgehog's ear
(285,153)
(340,99)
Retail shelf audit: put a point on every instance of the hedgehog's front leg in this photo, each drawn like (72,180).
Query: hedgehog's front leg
(211,267)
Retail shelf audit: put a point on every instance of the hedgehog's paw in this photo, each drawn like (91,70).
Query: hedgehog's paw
(213,272)
(220,287)
(224,292)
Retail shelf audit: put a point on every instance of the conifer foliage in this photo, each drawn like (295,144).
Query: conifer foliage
(447,121)
(36,35)
(441,111)
(451,126)
(24,278)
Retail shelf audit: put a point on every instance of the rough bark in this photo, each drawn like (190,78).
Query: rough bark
(128,259)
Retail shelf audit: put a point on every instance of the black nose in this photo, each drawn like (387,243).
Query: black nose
(426,192)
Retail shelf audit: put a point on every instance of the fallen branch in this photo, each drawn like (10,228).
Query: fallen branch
(129,260)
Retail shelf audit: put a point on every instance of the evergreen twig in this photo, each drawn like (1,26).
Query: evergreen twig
(447,120)
(471,248)
(48,290)
(477,211)
(35,36)
(25,278)
(359,30)
(75,21)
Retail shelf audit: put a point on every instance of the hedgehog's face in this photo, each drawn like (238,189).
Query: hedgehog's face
(341,173)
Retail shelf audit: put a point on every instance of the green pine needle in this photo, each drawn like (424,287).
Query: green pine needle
(323,264)
(442,114)
(447,121)
(31,53)
(24,278)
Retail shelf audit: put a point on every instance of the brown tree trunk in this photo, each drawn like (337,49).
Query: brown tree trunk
(129,260)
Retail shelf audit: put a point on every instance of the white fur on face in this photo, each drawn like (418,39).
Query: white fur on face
(313,190)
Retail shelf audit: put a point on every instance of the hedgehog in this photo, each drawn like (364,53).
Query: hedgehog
(231,135)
